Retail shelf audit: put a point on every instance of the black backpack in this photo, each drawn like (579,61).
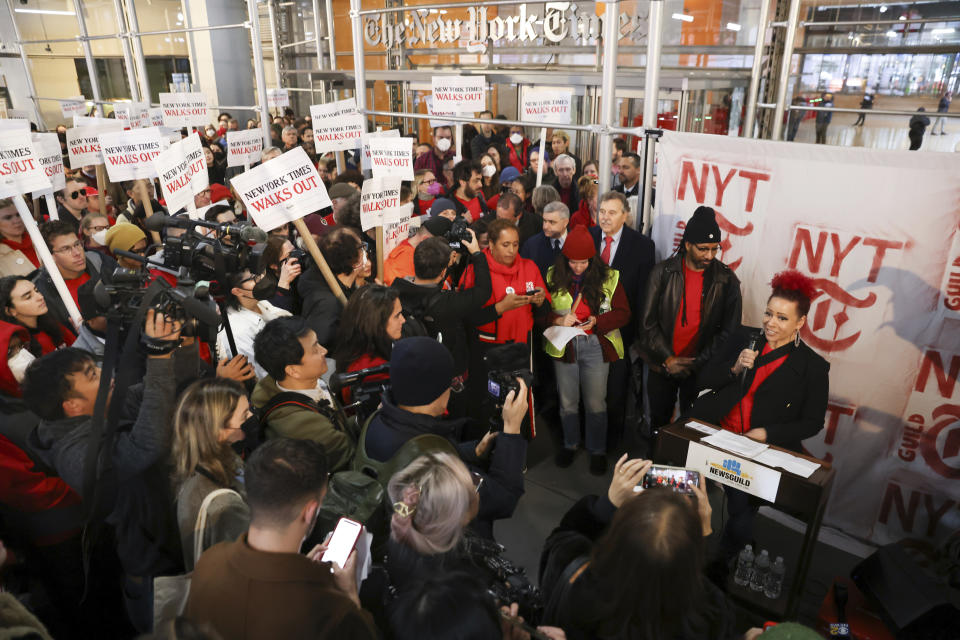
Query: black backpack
(418,322)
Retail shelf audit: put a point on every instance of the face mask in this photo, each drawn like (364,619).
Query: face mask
(18,364)
(443,144)
(435,189)
(211,132)
(516,138)
(489,171)
(100,237)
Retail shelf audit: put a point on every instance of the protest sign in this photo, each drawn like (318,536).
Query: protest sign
(93,121)
(128,155)
(365,150)
(184,109)
(337,126)
(134,115)
(244,147)
(278,98)
(156,116)
(546,105)
(282,190)
(397,232)
(183,173)
(459,94)
(14,125)
(83,146)
(47,147)
(379,202)
(391,157)
(20,169)
(169,136)
(76,106)
(437,122)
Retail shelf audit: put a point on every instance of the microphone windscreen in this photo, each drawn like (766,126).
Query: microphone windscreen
(254,234)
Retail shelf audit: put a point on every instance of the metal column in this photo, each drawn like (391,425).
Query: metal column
(316,34)
(272,18)
(359,65)
(138,51)
(125,45)
(331,42)
(785,64)
(651,94)
(26,68)
(751,111)
(88,56)
(191,45)
(608,95)
(261,83)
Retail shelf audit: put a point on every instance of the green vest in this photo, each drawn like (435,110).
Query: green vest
(561,301)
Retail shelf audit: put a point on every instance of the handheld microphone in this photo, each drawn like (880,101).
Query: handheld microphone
(246,232)
(754,345)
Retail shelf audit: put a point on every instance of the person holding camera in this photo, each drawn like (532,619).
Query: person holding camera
(282,264)
(629,565)
(421,371)
(586,294)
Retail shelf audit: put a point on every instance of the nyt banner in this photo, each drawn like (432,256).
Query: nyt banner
(878,233)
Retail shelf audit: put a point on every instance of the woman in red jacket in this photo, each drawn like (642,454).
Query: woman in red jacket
(21,304)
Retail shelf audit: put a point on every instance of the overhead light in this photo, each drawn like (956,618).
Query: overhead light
(883,8)
(733,26)
(902,18)
(892,34)
(937,32)
(46,12)
(179,16)
(682,16)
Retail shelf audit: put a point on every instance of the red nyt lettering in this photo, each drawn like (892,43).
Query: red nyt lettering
(932,362)
(286,193)
(906,512)
(688,174)
(803,242)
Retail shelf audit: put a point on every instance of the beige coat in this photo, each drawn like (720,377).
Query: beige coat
(13,262)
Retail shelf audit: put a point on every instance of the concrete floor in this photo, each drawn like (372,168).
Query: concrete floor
(551,491)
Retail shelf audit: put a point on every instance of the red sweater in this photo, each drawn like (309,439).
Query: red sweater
(519,278)
(582,216)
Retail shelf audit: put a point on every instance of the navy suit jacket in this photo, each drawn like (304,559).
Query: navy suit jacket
(634,259)
(538,249)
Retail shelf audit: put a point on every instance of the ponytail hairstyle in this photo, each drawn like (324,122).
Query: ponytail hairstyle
(203,412)
(433,500)
(794,286)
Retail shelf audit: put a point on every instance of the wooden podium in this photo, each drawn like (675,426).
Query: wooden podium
(803,498)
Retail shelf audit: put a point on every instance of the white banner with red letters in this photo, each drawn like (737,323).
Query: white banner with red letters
(282,190)
(47,146)
(391,157)
(244,147)
(337,126)
(184,110)
(20,169)
(83,143)
(879,232)
(182,170)
(379,202)
(129,155)
(462,94)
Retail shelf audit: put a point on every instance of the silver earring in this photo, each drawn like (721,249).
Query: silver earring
(796,339)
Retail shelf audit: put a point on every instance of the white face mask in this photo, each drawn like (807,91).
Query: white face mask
(489,170)
(516,138)
(18,364)
(443,144)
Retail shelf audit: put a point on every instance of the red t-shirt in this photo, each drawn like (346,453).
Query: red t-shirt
(685,336)
(473,206)
(25,247)
(75,284)
(423,206)
(731,422)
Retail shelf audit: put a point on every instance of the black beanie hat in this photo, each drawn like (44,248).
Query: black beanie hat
(421,369)
(702,227)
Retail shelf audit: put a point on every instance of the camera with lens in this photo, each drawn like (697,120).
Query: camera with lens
(459,232)
(297,254)
(122,293)
(204,256)
(505,364)
(506,582)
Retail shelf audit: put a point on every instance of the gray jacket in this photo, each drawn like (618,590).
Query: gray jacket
(228,516)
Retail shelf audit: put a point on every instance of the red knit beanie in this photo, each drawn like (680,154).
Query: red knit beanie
(579,244)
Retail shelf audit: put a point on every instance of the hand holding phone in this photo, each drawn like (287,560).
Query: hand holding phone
(676,478)
(341,543)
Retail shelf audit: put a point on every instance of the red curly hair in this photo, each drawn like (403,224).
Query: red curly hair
(796,287)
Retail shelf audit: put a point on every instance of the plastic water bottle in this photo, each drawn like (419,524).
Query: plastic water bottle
(744,566)
(774,582)
(760,571)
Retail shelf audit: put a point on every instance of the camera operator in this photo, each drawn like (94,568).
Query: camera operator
(421,371)
(61,388)
(443,311)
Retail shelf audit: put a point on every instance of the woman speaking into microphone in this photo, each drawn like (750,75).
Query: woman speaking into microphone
(768,386)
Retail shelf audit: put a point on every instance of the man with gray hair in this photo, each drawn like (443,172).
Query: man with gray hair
(269,154)
(565,168)
(544,247)
(289,138)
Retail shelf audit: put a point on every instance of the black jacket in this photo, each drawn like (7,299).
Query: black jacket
(634,260)
(790,404)
(98,265)
(502,473)
(529,224)
(320,309)
(540,249)
(721,307)
(577,610)
(450,309)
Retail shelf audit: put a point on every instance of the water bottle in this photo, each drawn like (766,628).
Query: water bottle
(744,566)
(774,582)
(760,571)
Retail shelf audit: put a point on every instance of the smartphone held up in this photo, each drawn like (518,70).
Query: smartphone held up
(342,542)
(676,478)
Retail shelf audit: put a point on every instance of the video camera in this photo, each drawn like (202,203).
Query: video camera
(364,395)
(458,234)
(505,363)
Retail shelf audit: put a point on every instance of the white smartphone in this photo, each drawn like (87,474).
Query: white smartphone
(342,541)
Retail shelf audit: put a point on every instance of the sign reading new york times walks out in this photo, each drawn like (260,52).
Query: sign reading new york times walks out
(337,126)
(134,115)
(244,147)
(129,155)
(462,94)
(379,202)
(20,169)
(47,146)
(282,190)
(278,98)
(73,107)
(184,110)
(391,157)
(183,173)
(733,471)
(546,105)
(83,143)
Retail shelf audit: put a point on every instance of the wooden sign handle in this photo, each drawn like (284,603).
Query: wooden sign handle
(147,207)
(314,251)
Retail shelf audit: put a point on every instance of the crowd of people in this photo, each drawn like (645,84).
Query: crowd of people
(407,399)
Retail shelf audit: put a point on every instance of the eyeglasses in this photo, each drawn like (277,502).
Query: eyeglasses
(76,247)
(80,192)
(98,227)
(428,181)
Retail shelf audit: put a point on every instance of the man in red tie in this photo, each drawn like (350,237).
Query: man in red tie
(632,254)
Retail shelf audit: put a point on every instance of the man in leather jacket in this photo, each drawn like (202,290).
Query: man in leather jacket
(692,304)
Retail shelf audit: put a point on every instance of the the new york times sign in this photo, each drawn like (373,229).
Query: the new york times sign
(561,21)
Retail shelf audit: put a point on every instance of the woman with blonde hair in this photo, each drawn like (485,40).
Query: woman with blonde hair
(209,418)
